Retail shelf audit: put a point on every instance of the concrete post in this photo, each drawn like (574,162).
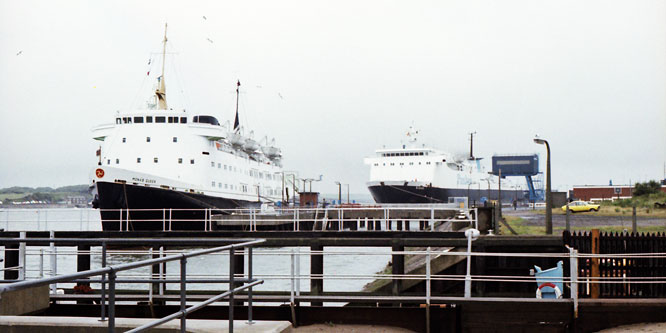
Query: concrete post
(568,225)
(316,271)
(83,264)
(398,268)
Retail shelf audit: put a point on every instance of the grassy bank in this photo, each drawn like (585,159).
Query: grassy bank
(520,226)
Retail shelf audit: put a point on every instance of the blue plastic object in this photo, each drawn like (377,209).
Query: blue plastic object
(551,276)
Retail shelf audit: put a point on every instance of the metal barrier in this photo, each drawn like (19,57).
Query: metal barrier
(573,278)
(109,275)
(367,217)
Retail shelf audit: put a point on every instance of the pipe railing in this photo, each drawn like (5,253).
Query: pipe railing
(109,275)
(377,217)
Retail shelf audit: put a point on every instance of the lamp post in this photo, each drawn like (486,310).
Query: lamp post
(339,192)
(549,197)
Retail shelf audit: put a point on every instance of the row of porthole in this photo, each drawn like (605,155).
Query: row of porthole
(410,163)
(243,188)
(155,160)
(175,139)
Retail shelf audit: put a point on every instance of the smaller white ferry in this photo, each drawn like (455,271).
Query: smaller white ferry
(416,173)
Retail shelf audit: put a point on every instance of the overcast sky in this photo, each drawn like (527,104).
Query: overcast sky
(334,80)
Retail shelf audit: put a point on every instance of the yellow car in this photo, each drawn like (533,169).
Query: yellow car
(581,206)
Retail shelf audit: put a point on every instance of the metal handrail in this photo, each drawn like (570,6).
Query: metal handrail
(111,272)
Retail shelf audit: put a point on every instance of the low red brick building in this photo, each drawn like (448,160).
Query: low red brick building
(604,192)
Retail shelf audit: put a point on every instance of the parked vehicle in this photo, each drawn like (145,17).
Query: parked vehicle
(581,206)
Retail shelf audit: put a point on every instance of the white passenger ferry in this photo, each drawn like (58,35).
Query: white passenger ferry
(416,173)
(159,159)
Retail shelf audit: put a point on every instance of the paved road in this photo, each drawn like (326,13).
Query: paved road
(536,218)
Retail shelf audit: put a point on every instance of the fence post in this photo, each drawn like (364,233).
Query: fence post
(183,291)
(293,287)
(41,263)
(568,223)
(428,289)
(594,267)
(53,261)
(573,275)
(112,301)
(231,286)
(249,290)
(21,257)
(103,296)
(634,226)
(432,219)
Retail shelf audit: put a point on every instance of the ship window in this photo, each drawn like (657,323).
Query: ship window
(219,165)
(175,139)
(160,119)
(108,161)
(180,161)
(138,160)
(376,164)
(118,121)
(384,164)
(149,119)
(147,139)
(124,140)
(192,161)
(171,120)
(219,185)
(155,159)
(117,161)
(225,167)
(138,120)
(213,183)
(427,163)
(124,120)
(411,163)
(421,154)
(226,186)
(212,164)
(392,164)
(419,163)
(402,163)
(183,120)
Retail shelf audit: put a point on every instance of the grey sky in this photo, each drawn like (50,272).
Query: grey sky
(334,80)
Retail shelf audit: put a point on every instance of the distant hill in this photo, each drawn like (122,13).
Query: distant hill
(43,194)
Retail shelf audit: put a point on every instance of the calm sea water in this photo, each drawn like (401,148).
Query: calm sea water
(342,266)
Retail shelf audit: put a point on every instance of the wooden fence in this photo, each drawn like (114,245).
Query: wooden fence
(631,277)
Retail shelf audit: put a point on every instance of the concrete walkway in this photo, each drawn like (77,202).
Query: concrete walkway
(25,324)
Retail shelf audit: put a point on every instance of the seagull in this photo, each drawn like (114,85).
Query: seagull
(204,17)
(280,96)
(19,53)
(208,39)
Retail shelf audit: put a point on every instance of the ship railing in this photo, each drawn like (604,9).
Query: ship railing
(109,275)
(331,218)
(285,266)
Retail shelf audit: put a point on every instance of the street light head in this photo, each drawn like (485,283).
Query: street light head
(539,141)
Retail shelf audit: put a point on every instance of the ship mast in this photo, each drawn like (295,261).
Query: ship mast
(160,93)
(471,146)
(236,121)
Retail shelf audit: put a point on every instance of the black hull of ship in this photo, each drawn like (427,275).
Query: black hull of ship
(152,208)
(428,194)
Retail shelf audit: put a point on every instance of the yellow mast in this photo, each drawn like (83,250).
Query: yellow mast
(160,93)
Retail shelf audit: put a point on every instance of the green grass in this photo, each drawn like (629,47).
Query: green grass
(520,226)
